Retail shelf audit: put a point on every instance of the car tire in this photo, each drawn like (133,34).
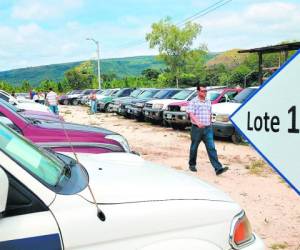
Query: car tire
(236,138)
(65,102)
(75,102)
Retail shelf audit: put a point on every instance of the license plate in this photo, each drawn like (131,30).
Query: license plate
(146,113)
(169,116)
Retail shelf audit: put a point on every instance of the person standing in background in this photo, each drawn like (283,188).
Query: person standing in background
(52,101)
(93,99)
(199,110)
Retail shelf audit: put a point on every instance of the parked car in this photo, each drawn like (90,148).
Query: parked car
(84,138)
(153,110)
(135,107)
(221,112)
(50,201)
(23,103)
(31,114)
(84,98)
(119,104)
(104,102)
(176,115)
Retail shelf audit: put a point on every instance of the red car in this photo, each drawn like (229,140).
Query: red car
(176,115)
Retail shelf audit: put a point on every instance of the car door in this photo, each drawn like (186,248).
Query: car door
(26,222)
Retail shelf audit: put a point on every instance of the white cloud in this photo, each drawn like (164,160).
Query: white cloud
(43,10)
(260,24)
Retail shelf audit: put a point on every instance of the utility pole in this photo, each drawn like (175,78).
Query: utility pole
(98,59)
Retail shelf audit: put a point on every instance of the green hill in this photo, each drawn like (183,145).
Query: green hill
(129,66)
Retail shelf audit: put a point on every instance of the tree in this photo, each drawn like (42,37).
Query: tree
(173,43)
(81,77)
(150,74)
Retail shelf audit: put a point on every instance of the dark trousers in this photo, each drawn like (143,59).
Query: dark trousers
(207,136)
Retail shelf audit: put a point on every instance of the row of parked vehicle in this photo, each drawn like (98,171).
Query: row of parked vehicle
(69,186)
(168,106)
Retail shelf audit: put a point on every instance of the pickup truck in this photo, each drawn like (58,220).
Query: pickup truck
(50,201)
(220,115)
(176,115)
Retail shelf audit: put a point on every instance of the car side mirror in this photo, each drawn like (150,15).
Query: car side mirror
(3,191)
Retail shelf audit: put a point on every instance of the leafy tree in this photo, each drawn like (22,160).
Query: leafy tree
(81,77)
(150,74)
(173,43)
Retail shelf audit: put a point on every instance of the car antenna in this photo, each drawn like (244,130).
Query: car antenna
(100,213)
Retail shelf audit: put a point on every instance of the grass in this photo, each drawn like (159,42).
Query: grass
(277,246)
(258,167)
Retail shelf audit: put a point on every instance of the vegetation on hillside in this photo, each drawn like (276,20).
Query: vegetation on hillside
(178,64)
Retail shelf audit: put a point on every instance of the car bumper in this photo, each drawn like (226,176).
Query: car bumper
(153,114)
(113,107)
(173,117)
(223,129)
(136,112)
(258,244)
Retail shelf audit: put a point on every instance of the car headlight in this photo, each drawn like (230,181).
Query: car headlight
(240,232)
(158,106)
(183,108)
(121,139)
(140,104)
(222,118)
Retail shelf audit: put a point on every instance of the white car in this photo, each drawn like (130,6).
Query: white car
(115,201)
(26,104)
(222,111)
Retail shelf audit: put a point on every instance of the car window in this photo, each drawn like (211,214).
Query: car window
(213,94)
(147,94)
(136,92)
(4,97)
(182,95)
(30,157)
(244,94)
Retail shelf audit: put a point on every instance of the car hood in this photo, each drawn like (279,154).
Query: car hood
(125,177)
(225,108)
(33,106)
(74,126)
(179,103)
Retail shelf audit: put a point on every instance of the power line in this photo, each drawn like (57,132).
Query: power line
(199,14)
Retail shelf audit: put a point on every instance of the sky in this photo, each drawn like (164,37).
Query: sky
(41,32)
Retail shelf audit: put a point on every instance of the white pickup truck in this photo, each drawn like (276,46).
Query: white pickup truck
(49,201)
(222,111)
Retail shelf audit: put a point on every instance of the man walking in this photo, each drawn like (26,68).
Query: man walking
(52,101)
(199,110)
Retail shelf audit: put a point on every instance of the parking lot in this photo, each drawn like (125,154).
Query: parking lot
(273,208)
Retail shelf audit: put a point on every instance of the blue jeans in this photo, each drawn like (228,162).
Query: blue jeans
(207,136)
(54,109)
(93,106)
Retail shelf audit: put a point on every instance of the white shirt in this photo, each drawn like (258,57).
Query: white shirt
(52,98)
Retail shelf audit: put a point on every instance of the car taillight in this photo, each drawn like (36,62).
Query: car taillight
(241,231)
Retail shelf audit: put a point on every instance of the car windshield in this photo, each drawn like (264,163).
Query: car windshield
(107,92)
(161,94)
(135,93)
(148,94)
(10,106)
(182,95)
(87,92)
(77,91)
(31,158)
(213,94)
(243,95)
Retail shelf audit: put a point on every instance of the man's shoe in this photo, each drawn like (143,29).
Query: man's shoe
(221,170)
(193,168)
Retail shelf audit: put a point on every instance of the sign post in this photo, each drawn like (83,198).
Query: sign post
(270,120)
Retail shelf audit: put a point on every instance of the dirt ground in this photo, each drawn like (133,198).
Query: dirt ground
(272,207)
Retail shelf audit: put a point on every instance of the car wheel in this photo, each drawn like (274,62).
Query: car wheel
(105,110)
(75,102)
(65,102)
(236,138)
